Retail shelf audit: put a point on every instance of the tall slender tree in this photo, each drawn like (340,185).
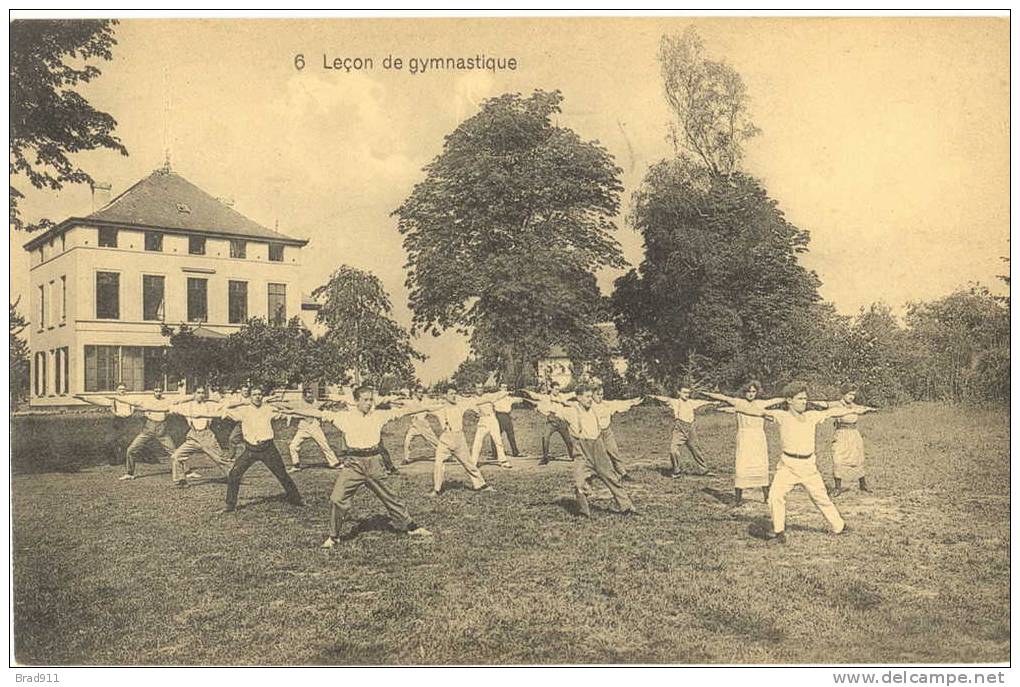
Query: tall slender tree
(357,314)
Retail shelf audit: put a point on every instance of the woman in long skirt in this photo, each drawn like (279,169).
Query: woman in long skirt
(847,443)
(752,459)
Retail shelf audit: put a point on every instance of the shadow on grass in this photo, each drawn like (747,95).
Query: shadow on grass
(724,497)
(376,523)
(265,499)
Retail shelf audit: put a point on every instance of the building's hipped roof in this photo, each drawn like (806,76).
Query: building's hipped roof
(166,200)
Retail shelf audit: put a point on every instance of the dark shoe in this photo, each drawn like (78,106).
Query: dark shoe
(630,512)
(182,484)
(777,539)
(845,530)
(487,487)
(544,461)
(676,475)
(836,493)
(228,509)
(296,502)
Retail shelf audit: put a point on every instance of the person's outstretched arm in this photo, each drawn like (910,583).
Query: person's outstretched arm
(722,398)
(101,401)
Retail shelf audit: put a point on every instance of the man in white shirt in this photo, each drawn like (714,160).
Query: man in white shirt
(153,436)
(452,440)
(684,434)
(118,438)
(797,465)
(488,427)
(604,411)
(256,422)
(583,421)
(310,428)
(362,427)
(200,439)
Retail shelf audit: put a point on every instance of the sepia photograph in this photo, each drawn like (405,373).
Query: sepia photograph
(511,341)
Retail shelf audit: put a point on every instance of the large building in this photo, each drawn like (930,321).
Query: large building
(162,252)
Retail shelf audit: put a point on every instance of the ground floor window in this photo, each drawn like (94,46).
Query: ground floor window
(40,374)
(139,368)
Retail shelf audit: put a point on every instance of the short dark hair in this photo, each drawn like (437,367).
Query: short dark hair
(794,388)
(360,391)
(749,384)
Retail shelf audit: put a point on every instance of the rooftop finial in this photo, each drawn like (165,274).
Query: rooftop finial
(166,169)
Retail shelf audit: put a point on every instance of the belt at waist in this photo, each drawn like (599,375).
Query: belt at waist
(798,456)
(846,425)
(363,452)
(264,444)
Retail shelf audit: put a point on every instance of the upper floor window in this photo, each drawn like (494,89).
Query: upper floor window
(196,245)
(154,241)
(63,298)
(152,297)
(237,302)
(42,308)
(198,300)
(107,237)
(238,248)
(277,310)
(276,252)
(107,296)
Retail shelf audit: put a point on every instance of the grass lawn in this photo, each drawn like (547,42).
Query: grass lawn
(109,572)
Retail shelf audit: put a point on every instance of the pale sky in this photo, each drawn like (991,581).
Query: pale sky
(887,139)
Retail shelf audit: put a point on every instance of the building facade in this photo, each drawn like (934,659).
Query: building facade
(556,365)
(162,253)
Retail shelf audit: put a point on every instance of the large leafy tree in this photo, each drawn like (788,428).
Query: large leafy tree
(357,314)
(505,233)
(49,119)
(719,282)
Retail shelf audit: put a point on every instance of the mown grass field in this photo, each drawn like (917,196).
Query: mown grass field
(109,572)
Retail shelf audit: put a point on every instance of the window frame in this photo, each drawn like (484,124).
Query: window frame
(269,310)
(277,246)
(205,293)
(157,236)
(242,249)
(192,244)
(96,293)
(143,278)
(230,294)
(108,231)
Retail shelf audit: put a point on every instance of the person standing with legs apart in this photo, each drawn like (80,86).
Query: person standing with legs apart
(506,424)
(847,443)
(153,435)
(309,428)
(684,434)
(452,440)
(604,411)
(118,437)
(752,459)
(551,405)
(797,466)
(200,439)
(592,457)
(488,426)
(362,426)
(256,420)
(419,427)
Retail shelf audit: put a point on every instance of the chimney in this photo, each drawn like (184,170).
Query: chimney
(100,194)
